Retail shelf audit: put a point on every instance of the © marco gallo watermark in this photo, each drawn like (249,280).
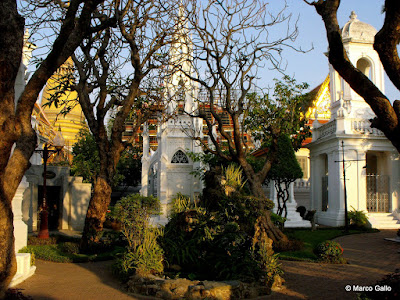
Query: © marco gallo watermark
(367,288)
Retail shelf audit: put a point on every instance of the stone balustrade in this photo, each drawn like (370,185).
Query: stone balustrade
(363,126)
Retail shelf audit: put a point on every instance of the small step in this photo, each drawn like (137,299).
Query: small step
(383,221)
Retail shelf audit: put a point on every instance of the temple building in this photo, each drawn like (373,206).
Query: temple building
(166,166)
(74,120)
(371,163)
(341,130)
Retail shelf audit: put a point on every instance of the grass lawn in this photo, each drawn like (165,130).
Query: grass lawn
(66,249)
(312,239)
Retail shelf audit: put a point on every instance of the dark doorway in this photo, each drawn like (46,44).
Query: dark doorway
(53,203)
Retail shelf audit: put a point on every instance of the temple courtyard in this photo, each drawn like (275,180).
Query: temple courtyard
(369,255)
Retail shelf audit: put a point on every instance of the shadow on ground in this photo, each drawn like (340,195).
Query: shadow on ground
(370,258)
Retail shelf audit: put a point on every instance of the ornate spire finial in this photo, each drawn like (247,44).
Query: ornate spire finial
(353,15)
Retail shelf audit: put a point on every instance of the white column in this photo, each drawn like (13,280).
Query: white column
(362,181)
(20,228)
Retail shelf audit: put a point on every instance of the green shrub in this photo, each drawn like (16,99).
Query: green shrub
(46,252)
(33,259)
(213,240)
(179,204)
(143,254)
(218,238)
(329,251)
(34,240)
(143,258)
(358,218)
(66,252)
(233,177)
(269,262)
(278,220)
(69,247)
(134,212)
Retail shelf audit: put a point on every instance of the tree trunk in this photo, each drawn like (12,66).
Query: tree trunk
(8,263)
(11,42)
(96,213)
(264,223)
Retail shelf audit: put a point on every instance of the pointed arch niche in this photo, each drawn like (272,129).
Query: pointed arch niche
(179,158)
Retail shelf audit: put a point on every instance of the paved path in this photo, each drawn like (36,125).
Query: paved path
(370,258)
(67,281)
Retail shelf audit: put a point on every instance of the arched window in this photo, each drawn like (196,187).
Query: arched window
(179,158)
(364,66)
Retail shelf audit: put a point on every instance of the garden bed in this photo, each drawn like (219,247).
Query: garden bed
(311,239)
(64,249)
(181,288)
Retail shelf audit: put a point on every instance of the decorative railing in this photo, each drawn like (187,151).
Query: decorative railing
(326,129)
(363,126)
(301,184)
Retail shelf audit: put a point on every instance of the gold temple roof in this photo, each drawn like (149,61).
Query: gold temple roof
(72,122)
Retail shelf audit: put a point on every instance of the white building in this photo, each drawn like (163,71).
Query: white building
(372,166)
(167,171)
(340,116)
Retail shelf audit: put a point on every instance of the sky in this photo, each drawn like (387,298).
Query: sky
(312,67)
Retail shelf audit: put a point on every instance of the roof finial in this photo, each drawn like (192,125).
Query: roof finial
(353,16)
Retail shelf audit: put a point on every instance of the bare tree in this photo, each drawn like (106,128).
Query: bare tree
(17,138)
(386,40)
(231,41)
(119,71)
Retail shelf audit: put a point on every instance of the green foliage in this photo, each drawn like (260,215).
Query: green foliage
(310,240)
(34,240)
(179,204)
(47,252)
(213,240)
(208,161)
(286,167)
(129,167)
(269,262)
(233,177)
(145,257)
(67,252)
(69,247)
(33,259)
(329,251)
(283,110)
(143,254)
(358,219)
(134,212)
(278,220)
(284,171)
(86,162)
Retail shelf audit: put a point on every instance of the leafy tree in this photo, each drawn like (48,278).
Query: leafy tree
(284,109)
(386,40)
(86,162)
(74,20)
(120,70)
(230,43)
(130,166)
(284,171)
